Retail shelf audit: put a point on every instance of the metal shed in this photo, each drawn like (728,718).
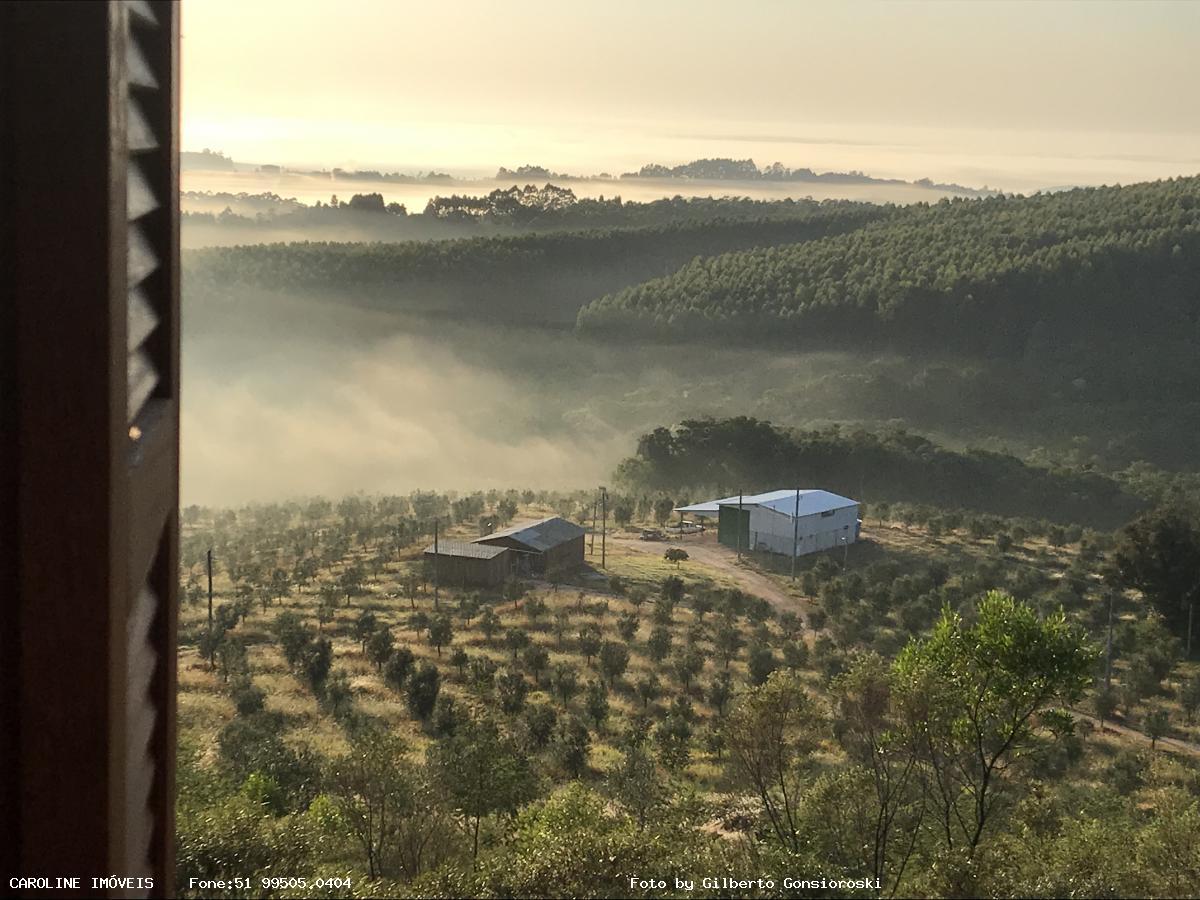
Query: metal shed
(461,562)
(544,544)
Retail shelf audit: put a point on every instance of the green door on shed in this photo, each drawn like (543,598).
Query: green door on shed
(728,527)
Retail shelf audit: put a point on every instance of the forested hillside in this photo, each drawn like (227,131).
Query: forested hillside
(540,277)
(725,456)
(997,275)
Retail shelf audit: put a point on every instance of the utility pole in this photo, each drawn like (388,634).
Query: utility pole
(592,541)
(435,563)
(795,534)
(738,529)
(210,591)
(603,527)
(1109,644)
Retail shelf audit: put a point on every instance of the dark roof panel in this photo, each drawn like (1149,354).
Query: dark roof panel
(541,535)
(464,548)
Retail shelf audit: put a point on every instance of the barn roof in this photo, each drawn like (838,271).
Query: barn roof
(541,535)
(783,501)
(466,549)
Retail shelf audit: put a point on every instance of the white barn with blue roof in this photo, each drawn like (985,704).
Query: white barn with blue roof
(784,521)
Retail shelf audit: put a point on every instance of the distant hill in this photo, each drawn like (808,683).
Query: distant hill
(722,169)
(205,160)
(1002,276)
(540,278)
(723,456)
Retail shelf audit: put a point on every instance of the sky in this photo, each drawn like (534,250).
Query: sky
(1031,93)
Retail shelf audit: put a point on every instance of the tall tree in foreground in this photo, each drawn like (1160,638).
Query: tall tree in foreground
(978,698)
(771,730)
(483,772)
(388,805)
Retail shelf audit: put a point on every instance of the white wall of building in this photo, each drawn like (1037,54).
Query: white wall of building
(773,530)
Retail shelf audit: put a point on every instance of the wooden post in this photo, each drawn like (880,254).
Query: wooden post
(435,563)
(592,542)
(210,592)
(603,527)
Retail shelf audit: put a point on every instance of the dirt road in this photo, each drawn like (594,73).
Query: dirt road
(705,550)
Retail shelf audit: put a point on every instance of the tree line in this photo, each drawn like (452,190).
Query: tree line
(985,276)
(544,277)
(723,456)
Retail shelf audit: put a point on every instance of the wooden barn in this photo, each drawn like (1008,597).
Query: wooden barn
(542,545)
(463,563)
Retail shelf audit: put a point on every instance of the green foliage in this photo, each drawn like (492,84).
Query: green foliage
(977,694)
(709,455)
(1159,554)
(421,692)
(993,275)
(483,772)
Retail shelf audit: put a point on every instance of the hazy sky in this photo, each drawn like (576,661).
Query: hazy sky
(1033,90)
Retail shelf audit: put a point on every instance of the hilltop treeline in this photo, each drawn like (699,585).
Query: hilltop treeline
(528,208)
(978,276)
(728,455)
(543,277)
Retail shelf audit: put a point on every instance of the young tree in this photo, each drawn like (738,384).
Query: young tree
(489,624)
(247,697)
(441,632)
(673,738)
(327,605)
(728,641)
(676,555)
(511,690)
(884,777)
(979,695)
(627,626)
(596,703)
(1189,697)
(687,664)
(459,659)
(565,681)
(720,691)
(571,745)
(539,719)
(770,731)
(614,659)
(761,663)
(590,639)
(1159,554)
(398,667)
(536,659)
(648,688)
(516,640)
(374,790)
(422,691)
(1156,724)
(658,645)
(380,646)
(637,786)
(535,610)
(316,661)
(364,626)
(483,772)
(672,589)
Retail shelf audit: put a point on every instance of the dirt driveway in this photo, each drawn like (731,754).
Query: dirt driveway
(705,550)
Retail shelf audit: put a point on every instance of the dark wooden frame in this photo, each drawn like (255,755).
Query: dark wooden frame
(88,500)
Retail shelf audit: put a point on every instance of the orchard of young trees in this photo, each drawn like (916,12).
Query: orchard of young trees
(928,718)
